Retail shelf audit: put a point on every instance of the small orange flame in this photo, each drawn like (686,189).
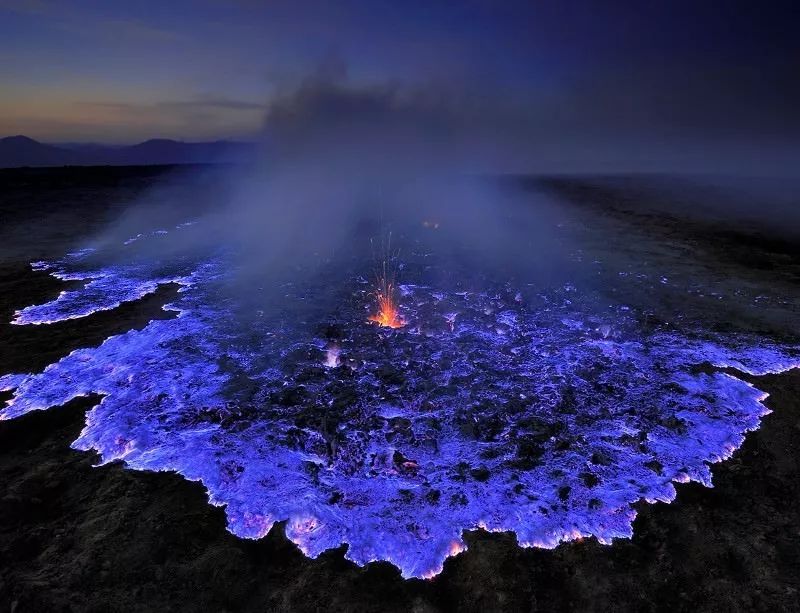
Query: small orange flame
(388,315)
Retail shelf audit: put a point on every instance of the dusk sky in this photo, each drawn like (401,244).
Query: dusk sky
(92,70)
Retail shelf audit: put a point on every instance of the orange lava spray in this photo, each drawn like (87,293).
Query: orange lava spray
(388,315)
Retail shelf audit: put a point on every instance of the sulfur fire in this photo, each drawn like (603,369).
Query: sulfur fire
(387,315)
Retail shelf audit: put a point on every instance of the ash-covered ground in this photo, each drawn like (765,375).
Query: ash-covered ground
(546,408)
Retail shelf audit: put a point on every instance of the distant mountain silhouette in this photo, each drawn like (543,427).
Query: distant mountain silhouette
(164,151)
(24,151)
(16,151)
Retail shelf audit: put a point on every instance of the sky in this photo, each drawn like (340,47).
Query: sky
(585,72)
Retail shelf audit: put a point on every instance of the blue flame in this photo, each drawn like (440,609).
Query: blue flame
(548,418)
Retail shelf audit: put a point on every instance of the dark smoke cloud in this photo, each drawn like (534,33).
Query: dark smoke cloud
(712,117)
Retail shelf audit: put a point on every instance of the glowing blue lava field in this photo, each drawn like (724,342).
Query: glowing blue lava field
(548,410)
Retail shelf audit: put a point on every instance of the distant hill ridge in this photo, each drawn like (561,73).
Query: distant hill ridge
(18,151)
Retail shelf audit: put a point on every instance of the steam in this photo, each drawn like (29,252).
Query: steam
(339,165)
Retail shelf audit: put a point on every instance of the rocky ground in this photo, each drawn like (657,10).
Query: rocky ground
(78,538)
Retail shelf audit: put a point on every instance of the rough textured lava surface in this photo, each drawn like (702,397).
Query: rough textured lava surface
(543,410)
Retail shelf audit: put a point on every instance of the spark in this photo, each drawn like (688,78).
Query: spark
(388,315)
